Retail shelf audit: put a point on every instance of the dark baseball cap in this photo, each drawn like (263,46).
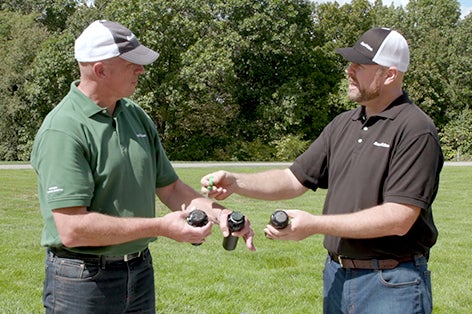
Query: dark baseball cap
(381,46)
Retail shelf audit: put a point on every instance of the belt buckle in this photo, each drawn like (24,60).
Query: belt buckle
(340,260)
(129,257)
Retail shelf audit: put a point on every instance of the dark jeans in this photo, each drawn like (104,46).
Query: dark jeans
(406,289)
(92,286)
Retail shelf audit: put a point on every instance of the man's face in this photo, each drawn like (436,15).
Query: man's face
(365,82)
(122,76)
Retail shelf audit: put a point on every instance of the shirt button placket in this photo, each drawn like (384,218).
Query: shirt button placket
(360,140)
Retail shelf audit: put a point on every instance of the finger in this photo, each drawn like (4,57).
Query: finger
(274,233)
(267,234)
(189,209)
(204,190)
(291,212)
(204,180)
(268,231)
(205,185)
(219,197)
(207,228)
(249,240)
(223,222)
(210,183)
(219,194)
(202,233)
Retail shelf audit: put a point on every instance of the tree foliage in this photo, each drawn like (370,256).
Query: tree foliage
(21,38)
(456,136)
(235,79)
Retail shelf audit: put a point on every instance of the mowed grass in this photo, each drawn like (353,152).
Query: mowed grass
(281,277)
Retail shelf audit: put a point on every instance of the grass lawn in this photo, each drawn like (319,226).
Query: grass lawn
(281,277)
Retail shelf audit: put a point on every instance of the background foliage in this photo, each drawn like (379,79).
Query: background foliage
(236,79)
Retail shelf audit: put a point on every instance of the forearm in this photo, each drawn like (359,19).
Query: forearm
(384,220)
(83,228)
(276,184)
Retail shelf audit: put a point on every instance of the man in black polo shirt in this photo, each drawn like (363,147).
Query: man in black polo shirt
(380,163)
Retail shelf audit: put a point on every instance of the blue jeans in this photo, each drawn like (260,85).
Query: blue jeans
(92,286)
(405,289)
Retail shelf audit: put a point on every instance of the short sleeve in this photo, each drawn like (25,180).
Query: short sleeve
(65,176)
(414,172)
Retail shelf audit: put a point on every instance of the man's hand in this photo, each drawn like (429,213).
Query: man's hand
(246,233)
(218,185)
(298,229)
(175,226)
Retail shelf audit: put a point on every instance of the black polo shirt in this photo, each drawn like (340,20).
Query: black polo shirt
(394,156)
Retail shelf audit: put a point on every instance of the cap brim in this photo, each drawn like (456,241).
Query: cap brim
(140,55)
(352,55)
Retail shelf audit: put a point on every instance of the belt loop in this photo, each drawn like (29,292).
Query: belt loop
(143,254)
(50,255)
(419,259)
(375,264)
(340,260)
(102,262)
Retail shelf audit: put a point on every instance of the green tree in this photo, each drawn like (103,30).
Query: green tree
(186,91)
(456,137)
(53,14)
(20,39)
(236,79)
(230,72)
(283,77)
(430,28)
(459,71)
(340,26)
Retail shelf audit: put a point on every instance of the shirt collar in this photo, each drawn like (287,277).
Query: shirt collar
(86,104)
(391,112)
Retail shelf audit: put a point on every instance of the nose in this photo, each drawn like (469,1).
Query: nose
(351,68)
(139,69)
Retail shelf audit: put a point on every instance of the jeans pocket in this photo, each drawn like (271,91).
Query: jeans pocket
(399,277)
(71,269)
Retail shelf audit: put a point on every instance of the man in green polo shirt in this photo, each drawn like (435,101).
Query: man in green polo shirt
(100,164)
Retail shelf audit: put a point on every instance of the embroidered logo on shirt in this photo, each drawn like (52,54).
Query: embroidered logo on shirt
(55,189)
(141,135)
(381,144)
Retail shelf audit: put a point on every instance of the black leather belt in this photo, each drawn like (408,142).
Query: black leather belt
(63,253)
(346,262)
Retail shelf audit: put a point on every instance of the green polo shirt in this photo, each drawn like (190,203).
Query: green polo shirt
(84,156)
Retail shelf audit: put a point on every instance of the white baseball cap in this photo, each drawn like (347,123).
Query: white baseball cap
(103,40)
(381,46)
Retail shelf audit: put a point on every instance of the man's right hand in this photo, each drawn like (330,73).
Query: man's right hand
(218,185)
(175,226)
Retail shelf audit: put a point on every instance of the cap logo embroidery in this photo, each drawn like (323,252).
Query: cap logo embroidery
(367,46)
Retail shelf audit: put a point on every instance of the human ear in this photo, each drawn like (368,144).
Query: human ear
(99,69)
(391,75)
